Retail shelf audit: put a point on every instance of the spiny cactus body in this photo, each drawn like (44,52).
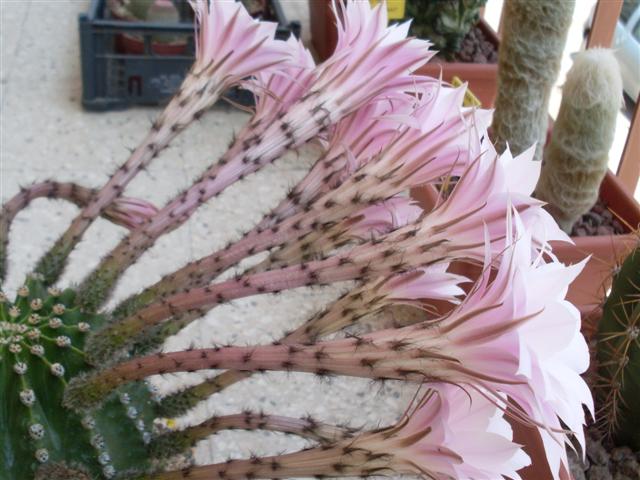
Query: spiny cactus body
(42,338)
(533,38)
(618,352)
(576,158)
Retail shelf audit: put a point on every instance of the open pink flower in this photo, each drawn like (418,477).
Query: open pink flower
(504,341)
(363,134)
(438,137)
(371,61)
(277,89)
(233,45)
(451,433)
(371,57)
(424,284)
(230,46)
(483,197)
(447,138)
(498,339)
(383,217)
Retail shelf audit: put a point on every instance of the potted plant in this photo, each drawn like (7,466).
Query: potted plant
(153,11)
(75,402)
(574,172)
(468,46)
(585,198)
(613,441)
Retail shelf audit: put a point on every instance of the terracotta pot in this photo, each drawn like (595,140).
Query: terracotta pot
(588,290)
(482,78)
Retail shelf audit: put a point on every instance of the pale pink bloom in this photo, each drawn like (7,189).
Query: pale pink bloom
(508,342)
(371,57)
(277,89)
(498,339)
(422,285)
(129,212)
(483,197)
(412,158)
(443,139)
(363,134)
(372,61)
(354,140)
(232,44)
(452,433)
(552,363)
(384,217)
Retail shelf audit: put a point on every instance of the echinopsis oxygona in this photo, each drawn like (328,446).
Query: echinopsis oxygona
(74,401)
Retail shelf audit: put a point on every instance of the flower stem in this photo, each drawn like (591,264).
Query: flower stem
(390,357)
(338,461)
(187,105)
(175,442)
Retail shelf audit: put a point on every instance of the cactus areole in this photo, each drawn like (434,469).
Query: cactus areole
(618,352)
(42,338)
(76,401)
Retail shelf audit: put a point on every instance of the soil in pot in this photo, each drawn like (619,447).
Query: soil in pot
(605,461)
(597,221)
(475,48)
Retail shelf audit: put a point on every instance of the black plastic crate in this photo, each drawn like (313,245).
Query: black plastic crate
(123,66)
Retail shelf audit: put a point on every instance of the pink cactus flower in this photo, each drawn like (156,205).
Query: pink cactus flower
(506,343)
(424,284)
(232,44)
(482,198)
(452,433)
(384,217)
(277,89)
(371,61)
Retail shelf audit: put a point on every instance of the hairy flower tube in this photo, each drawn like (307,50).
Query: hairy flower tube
(354,139)
(449,433)
(418,288)
(454,230)
(447,145)
(319,107)
(230,46)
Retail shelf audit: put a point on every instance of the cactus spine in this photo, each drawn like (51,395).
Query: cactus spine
(575,161)
(533,37)
(618,352)
(41,347)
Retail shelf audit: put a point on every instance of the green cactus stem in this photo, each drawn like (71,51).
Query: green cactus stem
(41,347)
(618,353)
(533,38)
(576,159)
(175,442)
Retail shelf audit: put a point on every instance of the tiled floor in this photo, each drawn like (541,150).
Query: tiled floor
(46,134)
